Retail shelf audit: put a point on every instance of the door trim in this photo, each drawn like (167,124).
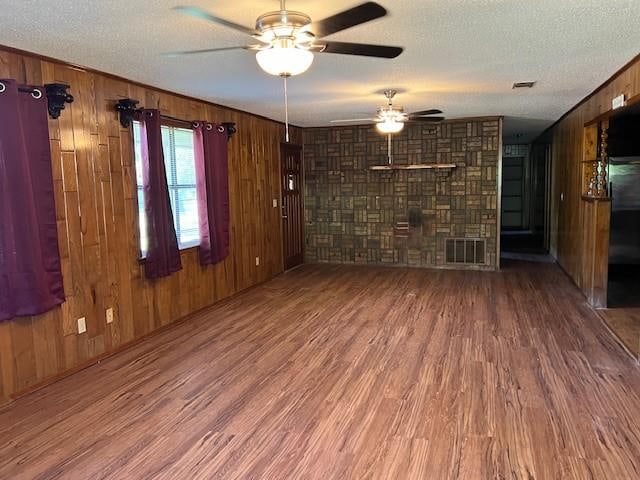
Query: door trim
(284,146)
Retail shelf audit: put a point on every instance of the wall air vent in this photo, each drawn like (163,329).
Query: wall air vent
(466,251)
(523,85)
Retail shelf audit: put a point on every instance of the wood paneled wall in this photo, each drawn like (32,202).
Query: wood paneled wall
(571,216)
(93,170)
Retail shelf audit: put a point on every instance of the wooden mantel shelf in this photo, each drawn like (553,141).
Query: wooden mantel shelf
(589,198)
(421,166)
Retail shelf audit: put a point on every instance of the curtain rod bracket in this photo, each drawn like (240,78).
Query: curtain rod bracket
(231,129)
(126,108)
(57,97)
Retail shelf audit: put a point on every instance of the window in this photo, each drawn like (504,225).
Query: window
(177,144)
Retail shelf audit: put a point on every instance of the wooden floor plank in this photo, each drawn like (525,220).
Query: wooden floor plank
(351,372)
(625,323)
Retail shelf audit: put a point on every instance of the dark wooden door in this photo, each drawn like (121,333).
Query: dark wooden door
(513,193)
(292,207)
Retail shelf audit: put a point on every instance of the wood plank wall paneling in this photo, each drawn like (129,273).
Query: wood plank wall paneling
(595,263)
(96,204)
(569,216)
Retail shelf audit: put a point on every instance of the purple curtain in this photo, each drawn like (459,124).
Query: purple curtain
(30,271)
(163,254)
(210,145)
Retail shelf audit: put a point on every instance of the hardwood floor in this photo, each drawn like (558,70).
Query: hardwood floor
(337,372)
(625,323)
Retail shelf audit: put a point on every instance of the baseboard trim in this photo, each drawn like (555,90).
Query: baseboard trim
(7,401)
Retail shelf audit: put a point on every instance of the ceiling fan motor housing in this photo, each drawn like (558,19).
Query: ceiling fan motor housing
(292,31)
(283,24)
(392,113)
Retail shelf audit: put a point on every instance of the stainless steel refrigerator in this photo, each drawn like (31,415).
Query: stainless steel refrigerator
(624,246)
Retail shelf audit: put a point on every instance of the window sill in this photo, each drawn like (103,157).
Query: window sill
(143,260)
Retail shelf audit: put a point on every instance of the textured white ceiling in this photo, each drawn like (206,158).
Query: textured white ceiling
(461,56)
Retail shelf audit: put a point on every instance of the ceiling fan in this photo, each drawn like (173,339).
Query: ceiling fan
(391,119)
(287,40)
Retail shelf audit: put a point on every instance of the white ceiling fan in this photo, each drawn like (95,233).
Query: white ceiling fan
(390,118)
(287,40)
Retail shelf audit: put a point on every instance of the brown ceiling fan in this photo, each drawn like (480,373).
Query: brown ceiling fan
(287,40)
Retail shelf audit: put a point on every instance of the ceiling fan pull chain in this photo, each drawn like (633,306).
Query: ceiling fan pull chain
(286,111)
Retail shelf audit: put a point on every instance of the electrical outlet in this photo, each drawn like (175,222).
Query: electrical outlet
(275,203)
(257,261)
(109,315)
(82,325)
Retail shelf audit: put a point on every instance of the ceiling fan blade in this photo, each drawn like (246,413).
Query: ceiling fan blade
(433,111)
(355,120)
(204,15)
(427,119)
(349,18)
(207,50)
(362,49)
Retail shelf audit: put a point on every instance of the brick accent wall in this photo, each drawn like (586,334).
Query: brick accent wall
(401,217)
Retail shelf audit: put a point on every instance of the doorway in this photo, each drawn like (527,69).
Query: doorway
(291,176)
(513,177)
(525,205)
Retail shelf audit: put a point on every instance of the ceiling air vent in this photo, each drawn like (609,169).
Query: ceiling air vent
(465,251)
(523,85)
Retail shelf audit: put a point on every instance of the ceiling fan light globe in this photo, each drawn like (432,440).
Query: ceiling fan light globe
(389,127)
(284,62)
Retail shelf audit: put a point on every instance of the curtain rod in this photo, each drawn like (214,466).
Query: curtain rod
(179,120)
(56,93)
(28,89)
(127,109)
(189,123)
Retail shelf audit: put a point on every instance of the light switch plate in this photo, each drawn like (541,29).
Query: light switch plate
(257,261)
(82,325)
(109,315)
(275,203)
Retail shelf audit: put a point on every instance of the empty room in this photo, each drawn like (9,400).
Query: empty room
(293,239)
